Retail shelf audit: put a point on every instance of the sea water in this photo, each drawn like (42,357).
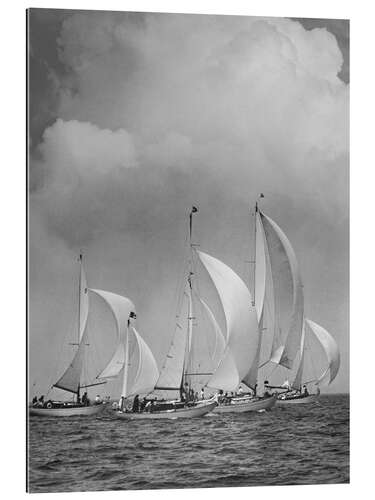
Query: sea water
(295,444)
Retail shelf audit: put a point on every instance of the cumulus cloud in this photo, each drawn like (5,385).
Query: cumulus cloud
(250,96)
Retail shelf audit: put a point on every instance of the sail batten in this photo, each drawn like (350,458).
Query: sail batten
(241,324)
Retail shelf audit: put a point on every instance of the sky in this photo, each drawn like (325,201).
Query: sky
(134,118)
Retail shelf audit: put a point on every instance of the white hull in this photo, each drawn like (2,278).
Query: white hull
(246,405)
(84,411)
(189,412)
(311,398)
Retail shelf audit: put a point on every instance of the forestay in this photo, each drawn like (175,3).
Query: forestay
(241,324)
(287,294)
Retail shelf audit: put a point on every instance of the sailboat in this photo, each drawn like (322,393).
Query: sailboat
(296,395)
(71,380)
(129,344)
(279,299)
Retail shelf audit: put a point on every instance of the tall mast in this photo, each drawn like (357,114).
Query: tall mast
(194,210)
(79,310)
(255,244)
(79,297)
(255,250)
(126,364)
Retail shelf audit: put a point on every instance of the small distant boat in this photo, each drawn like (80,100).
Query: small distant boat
(279,299)
(297,395)
(246,404)
(70,381)
(298,398)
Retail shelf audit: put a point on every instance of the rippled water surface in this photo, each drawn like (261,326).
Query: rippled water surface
(288,445)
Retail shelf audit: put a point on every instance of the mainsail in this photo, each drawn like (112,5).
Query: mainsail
(260,296)
(330,348)
(241,324)
(71,379)
(171,374)
(287,294)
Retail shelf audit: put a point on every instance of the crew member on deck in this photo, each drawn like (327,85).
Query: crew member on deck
(135,408)
(85,399)
(266,393)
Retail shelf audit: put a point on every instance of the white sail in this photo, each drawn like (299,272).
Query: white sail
(260,296)
(147,372)
(116,364)
(226,376)
(297,382)
(331,349)
(252,377)
(71,378)
(172,371)
(241,324)
(219,346)
(260,267)
(121,307)
(288,294)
